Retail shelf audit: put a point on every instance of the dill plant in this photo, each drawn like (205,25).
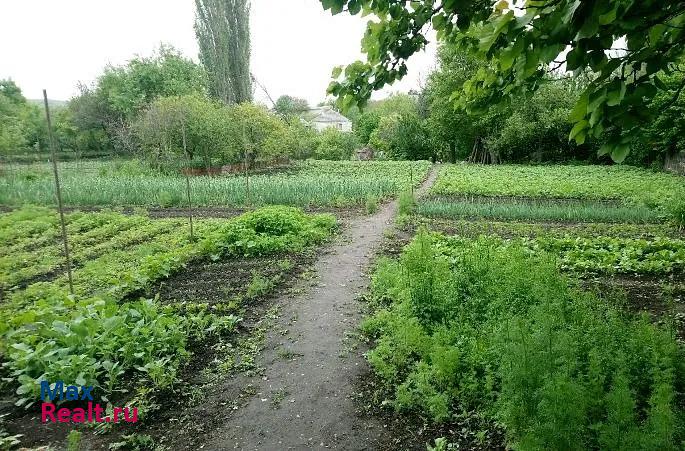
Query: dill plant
(484,326)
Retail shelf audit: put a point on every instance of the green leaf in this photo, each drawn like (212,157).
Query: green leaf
(617,93)
(580,109)
(619,153)
(578,132)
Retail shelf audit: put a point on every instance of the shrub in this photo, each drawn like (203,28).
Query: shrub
(335,145)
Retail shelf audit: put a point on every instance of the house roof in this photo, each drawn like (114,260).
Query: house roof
(324,114)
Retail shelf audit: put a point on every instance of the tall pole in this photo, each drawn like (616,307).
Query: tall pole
(190,205)
(58,191)
(411,177)
(246,169)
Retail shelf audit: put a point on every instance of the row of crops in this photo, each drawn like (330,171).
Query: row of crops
(111,332)
(309,183)
(490,322)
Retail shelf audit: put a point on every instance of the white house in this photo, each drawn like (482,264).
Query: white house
(324,117)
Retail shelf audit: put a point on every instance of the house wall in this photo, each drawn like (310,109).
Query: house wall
(342,126)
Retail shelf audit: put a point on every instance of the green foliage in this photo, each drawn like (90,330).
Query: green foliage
(371,205)
(406,203)
(100,117)
(605,254)
(288,106)
(365,125)
(663,135)
(333,144)
(101,332)
(401,137)
(22,123)
(256,132)
(222,29)
(485,326)
(321,183)
(536,210)
(677,213)
(630,185)
(134,442)
(520,48)
(205,123)
(215,134)
(74,440)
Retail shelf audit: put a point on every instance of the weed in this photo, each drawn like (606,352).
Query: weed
(74,440)
(278,396)
(371,205)
(134,442)
(258,286)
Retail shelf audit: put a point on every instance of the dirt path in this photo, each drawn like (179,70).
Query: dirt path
(306,398)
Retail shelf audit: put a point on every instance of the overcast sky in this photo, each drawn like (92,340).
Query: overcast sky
(295,43)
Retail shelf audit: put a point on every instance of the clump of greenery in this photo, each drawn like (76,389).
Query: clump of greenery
(406,203)
(483,325)
(371,205)
(74,440)
(333,144)
(677,213)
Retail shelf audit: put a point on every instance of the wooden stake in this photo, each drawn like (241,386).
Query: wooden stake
(246,169)
(58,191)
(411,178)
(190,205)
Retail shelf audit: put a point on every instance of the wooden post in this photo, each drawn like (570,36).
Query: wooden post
(58,191)
(246,169)
(190,205)
(411,177)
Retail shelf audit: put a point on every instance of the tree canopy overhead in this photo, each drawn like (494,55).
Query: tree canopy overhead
(626,46)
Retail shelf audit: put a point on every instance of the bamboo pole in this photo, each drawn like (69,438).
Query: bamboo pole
(58,191)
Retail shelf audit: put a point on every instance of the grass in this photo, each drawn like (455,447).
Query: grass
(311,183)
(629,185)
(537,210)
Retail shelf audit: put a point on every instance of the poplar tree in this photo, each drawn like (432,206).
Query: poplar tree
(222,28)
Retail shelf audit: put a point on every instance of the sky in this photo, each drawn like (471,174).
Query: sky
(295,43)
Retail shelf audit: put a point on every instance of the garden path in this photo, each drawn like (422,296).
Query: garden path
(306,398)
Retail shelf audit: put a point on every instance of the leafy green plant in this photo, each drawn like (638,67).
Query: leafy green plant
(487,326)
(74,440)
(406,203)
(101,333)
(626,184)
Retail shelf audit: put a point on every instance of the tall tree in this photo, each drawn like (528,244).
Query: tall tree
(222,28)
